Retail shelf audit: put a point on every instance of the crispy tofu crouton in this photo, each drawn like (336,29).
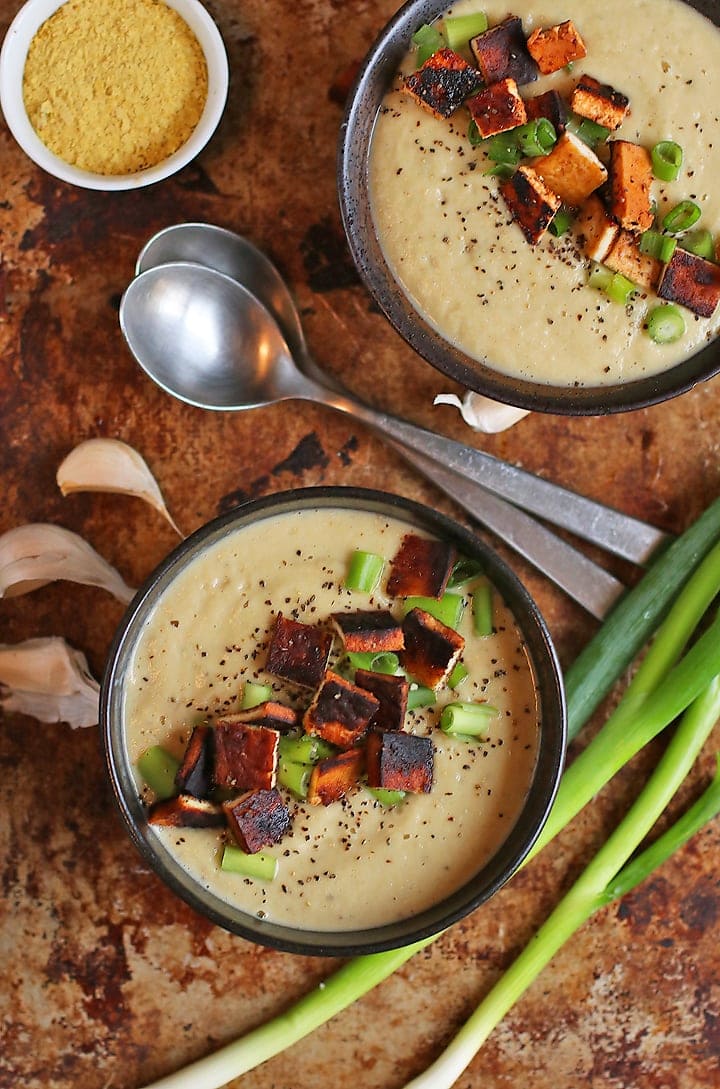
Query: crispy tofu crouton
(431,648)
(276,716)
(497,108)
(596,229)
(369,631)
(553,47)
(298,652)
(333,777)
(245,755)
(501,52)
(531,203)
(443,83)
(572,170)
(631,177)
(624,256)
(340,711)
(599,103)
(257,819)
(399,761)
(195,774)
(186,811)
(421,567)
(550,105)
(392,694)
(691,281)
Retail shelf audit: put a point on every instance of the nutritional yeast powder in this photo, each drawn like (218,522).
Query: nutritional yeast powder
(114,86)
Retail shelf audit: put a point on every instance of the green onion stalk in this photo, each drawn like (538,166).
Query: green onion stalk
(663,687)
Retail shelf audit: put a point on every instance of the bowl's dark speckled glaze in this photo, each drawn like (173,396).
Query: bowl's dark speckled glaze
(478,888)
(375,77)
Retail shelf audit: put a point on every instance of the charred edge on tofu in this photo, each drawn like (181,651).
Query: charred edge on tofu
(400,761)
(258,819)
(340,711)
(391,693)
(298,652)
(443,83)
(373,631)
(421,567)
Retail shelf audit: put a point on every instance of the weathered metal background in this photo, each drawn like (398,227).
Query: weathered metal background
(109,981)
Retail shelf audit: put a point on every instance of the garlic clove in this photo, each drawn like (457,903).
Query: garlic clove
(109,465)
(481,413)
(38,553)
(49,680)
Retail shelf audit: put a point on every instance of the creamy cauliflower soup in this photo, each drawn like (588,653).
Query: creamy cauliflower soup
(354,863)
(528,310)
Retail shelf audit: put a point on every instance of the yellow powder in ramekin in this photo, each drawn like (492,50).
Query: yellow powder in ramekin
(114,86)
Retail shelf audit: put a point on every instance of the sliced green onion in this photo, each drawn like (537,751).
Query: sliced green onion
(658,245)
(665,324)
(364,571)
(386,797)
(667,158)
(261,865)
(457,675)
(500,170)
(428,40)
(294,777)
(683,215)
(254,694)
(600,277)
(467,719)
(459,29)
(620,289)
(377,661)
(504,149)
(419,696)
(305,749)
(537,137)
(560,222)
(158,769)
(448,609)
(700,242)
(464,571)
(482,609)
(473,134)
(588,131)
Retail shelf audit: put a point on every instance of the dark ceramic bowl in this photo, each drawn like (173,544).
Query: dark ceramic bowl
(374,79)
(493,874)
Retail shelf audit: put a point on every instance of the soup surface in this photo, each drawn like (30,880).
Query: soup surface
(354,863)
(445,230)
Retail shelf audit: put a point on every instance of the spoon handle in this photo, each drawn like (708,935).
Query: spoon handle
(592,521)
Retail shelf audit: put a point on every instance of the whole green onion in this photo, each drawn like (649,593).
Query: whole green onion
(682,216)
(364,571)
(699,242)
(261,866)
(427,40)
(658,245)
(667,159)
(459,29)
(158,769)
(665,324)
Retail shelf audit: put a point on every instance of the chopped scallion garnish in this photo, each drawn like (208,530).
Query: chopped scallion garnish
(683,216)
(158,769)
(473,134)
(261,865)
(448,609)
(378,662)
(699,242)
(504,149)
(305,749)
(294,777)
(364,571)
(457,676)
(667,158)
(459,29)
(419,696)
(465,570)
(427,40)
(600,277)
(665,324)
(482,608)
(560,222)
(468,720)
(588,131)
(386,797)
(658,245)
(254,694)
(537,137)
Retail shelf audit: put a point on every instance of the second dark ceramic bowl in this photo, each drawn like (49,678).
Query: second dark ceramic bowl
(491,876)
(374,79)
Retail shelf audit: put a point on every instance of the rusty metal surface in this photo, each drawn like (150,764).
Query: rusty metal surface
(109,981)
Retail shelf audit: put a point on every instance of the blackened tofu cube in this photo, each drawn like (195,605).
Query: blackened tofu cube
(497,108)
(550,105)
(245,755)
(691,281)
(599,103)
(340,711)
(596,230)
(501,52)
(400,761)
(572,170)
(431,648)
(631,177)
(421,567)
(443,82)
(369,631)
(270,713)
(257,819)
(298,652)
(624,256)
(391,692)
(553,47)
(333,777)
(186,811)
(195,774)
(531,203)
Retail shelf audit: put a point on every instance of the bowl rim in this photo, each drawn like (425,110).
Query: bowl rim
(14,50)
(497,870)
(373,78)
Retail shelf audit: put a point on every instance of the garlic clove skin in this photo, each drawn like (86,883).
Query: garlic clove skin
(38,553)
(49,680)
(482,413)
(109,465)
